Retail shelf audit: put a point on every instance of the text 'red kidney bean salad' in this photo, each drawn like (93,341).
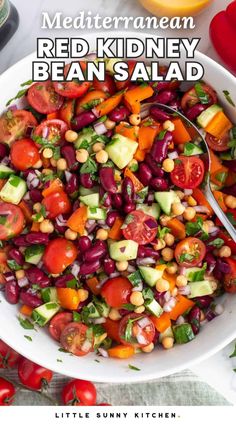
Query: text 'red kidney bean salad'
(106,236)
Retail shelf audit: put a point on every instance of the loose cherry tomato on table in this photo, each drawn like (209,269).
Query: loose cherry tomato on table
(7,392)
(13,125)
(9,358)
(79,392)
(140,227)
(116,291)
(59,254)
(58,323)
(190,98)
(190,252)
(57,203)
(188,172)
(12,220)
(43,98)
(218,144)
(136,330)
(230,279)
(32,375)
(24,154)
(52,130)
(77,339)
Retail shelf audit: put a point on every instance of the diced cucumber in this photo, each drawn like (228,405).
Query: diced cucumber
(150,275)
(43,313)
(121,150)
(102,308)
(34,253)
(85,138)
(5,171)
(200,288)
(153,307)
(207,115)
(96,213)
(93,312)
(91,200)
(153,210)
(110,65)
(14,189)
(49,294)
(167,333)
(166,200)
(87,191)
(183,333)
(124,250)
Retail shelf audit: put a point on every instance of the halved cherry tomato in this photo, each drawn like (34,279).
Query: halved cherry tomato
(116,291)
(190,98)
(9,358)
(112,329)
(188,172)
(7,392)
(140,227)
(71,89)
(136,330)
(79,392)
(91,99)
(11,220)
(52,130)
(190,252)
(59,254)
(76,339)
(218,144)
(230,279)
(43,98)
(32,375)
(14,123)
(24,154)
(108,85)
(58,323)
(57,203)
(67,110)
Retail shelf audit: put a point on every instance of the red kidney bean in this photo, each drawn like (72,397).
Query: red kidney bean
(165,97)
(158,114)
(156,170)
(68,152)
(84,243)
(119,114)
(194,319)
(175,104)
(111,217)
(109,266)
(106,175)
(117,201)
(72,186)
(193,112)
(89,267)
(21,241)
(203,301)
(34,275)
(106,200)
(144,174)
(211,261)
(36,195)
(37,238)
(147,252)
(12,292)
(3,150)
(128,190)
(129,207)
(63,280)
(82,120)
(86,180)
(96,252)
(159,148)
(159,184)
(109,133)
(29,299)
(17,256)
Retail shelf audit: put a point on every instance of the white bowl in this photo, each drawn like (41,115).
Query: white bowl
(44,351)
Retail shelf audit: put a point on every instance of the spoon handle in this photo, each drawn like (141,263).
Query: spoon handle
(220,214)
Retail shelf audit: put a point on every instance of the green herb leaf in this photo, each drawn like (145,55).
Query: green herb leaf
(20,94)
(198,275)
(231,218)
(228,98)
(91,104)
(89,167)
(161,135)
(148,294)
(218,243)
(202,95)
(13,265)
(128,307)
(25,323)
(161,232)
(29,82)
(233,355)
(28,338)
(186,257)
(76,316)
(132,367)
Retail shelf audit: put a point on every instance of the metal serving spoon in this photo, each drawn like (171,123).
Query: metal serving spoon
(207,187)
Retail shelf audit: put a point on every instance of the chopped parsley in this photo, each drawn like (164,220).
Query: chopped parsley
(233,355)
(161,232)
(89,167)
(228,97)
(218,243)
(21,93)
(202,95)
(187,257)
(28,338)
(231,218)
(132,367)
(26,323)
(193,228)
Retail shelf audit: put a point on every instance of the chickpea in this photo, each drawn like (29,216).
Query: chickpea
(122,265)
(210,223)
(37,207)
(38,164)
(102,156)
(149,348)
(189,213)
(160,244)
(82,155)
(20,274)
(97,147)
(224,252)
(164,219)
(172,268)
(169,239)
(202,316)
(53,162)
(162,285)
(178,209)
(71,136)
(180,194)
(83,294)
(191,201)
(70,235)
(61,164)
(46,226)
(136,298)
(109,124)
(181,281)
(114,314)
(47,171)
(135,119)
(167,342)
(167,254)
(214,285)
(174,292)
(47,153)
(102,234)
(168,125)
(230,202)
(139,309)
(168,165)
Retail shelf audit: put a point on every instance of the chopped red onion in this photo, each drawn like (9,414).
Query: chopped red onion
(22,282)
(103,352)
(75,269)
(101,222)
(45,129)
(168,306)
(167,296)
(5,161)
(213,229)
(100,128)
(185,204)
(180,320)
(12,107)
(40,264)
(188,191)
(150,223)
(29,131)
(103,280)
(95,112)
(114,274)
(182,270)
(141,339)
(131,268)
(144,111)
(173,155)
(145,261)
(184,290)
(35,183)
(201,209)
(27,196)
(139,287)
(61,222)
(9,276)
(99,320)
(143,322)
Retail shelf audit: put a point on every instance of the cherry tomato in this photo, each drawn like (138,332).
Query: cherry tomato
(13,125)
(71,89)
(104,404)
(77,339)
(52,130)
(108,85)
(7,392)
(228,241)
(43,98)
(190,98)
(140,227)
(136,330)
(230,279)
(24,154)
(218,144)
(59,254)
(112,329)
(90,100)
(57,203)
(8,356)
(79,392)
(190,252)
(58,323)
(67,110)
(32,375)
(188,172)
(116,291)
(12,220)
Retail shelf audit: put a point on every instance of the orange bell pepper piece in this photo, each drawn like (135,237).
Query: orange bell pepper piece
(134,97)
(89,97)
(35,226)
(26,310)
(180,133)
(53,115)
(140,155)
(55,185)
(121,352)
(108,105)
(77,220)
(219,125)
(171,279)
(137,184)
(26,211)
(127,130)
(182,305)
(201,200)
(177,228)
(115,232)
(162,323)
(146,137)
(94,285)
(68,298)
(220,199)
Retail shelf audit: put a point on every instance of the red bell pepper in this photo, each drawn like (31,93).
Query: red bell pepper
(230,279)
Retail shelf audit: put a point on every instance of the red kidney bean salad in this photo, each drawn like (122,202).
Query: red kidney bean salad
(106,236)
